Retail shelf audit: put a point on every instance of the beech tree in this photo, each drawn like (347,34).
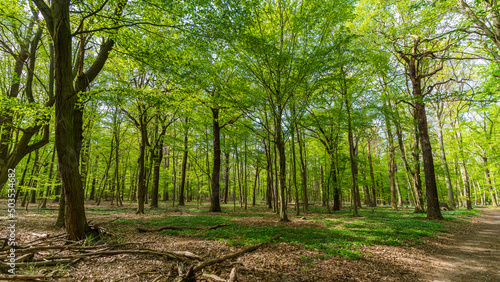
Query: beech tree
(68,114)
(24,110)
(286,46)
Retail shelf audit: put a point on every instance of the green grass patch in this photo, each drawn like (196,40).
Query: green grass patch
(342,235)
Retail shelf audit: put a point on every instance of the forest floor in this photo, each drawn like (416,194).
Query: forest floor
(382,245)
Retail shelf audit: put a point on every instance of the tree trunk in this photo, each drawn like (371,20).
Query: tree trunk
(333,177)
(392,159)
(419,207)
(449,187)
(294,174)
(269,179)
(51,173)
(488,180)
(65,139)
(226,178)
(282,169)
(465,177)
(141,178)
(157,158)
(255,183)
(372,175)
(303,172)
(184,166)
(214,199)
(94,180)
(433,210)
(352,160)
(117,158)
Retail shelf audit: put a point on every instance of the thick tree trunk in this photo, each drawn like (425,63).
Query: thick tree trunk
(433,210)
(419,206)
(65,140)
(214,199)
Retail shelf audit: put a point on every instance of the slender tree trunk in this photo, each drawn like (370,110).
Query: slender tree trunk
(61,210)
(117,161)
(392,159)
(276,182)
(141,178)
(352,159)
(465,177)
(444,162)
(294,174)
(238,173)
(282,169)
(245,198)
(184,166)
(51,173)
(214,199)
(166,166)
(303,172)
(226,178)
(488,181)
(372,176)
(333,177)
(269,179)
(157,158)
(255,183)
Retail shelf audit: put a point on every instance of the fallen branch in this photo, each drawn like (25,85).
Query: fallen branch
(181,256)
(173,227)
(25,277)
(190,275)
(41,263)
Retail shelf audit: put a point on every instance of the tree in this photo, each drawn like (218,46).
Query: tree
(23,113)
(422,51)
(68,114)
(286,47)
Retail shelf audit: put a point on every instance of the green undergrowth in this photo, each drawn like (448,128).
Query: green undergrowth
(336,234)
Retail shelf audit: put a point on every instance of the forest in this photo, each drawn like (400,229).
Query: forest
(317,127)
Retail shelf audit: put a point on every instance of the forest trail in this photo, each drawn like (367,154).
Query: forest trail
(470,256)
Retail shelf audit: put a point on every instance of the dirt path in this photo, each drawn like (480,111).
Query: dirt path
(473,255)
